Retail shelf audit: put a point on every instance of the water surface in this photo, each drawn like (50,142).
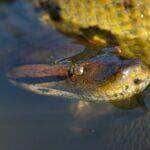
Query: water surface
(35,122)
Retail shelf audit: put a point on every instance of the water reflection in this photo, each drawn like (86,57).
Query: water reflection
(30,121)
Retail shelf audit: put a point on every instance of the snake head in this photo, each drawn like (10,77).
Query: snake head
(101,80)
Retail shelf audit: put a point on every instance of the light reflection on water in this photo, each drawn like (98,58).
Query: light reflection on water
(30,121)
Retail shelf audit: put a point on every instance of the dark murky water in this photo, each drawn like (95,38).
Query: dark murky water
(34,122)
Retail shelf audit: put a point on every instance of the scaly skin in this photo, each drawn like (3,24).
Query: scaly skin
(111,81)
(95,80)
(122,23)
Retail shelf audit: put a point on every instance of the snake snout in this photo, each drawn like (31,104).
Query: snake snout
(38,73)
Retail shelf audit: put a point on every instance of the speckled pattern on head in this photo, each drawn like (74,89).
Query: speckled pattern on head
(99,81)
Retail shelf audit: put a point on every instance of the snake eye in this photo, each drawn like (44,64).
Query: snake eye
(76,70)
(137,81)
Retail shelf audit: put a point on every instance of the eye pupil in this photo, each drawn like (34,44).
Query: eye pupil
(76,70)
(80,70)
(137,81)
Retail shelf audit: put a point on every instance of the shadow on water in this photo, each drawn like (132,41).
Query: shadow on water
(35,122)
(30,121)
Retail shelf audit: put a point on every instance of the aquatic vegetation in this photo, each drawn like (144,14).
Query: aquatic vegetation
(125,24)
(122,25)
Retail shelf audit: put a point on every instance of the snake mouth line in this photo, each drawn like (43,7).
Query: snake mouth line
(91,80)
(38,80)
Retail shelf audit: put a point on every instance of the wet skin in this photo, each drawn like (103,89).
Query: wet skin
(121,24)
(136,133)
(93,80)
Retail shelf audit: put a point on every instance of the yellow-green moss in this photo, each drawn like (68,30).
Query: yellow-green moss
(128,21)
